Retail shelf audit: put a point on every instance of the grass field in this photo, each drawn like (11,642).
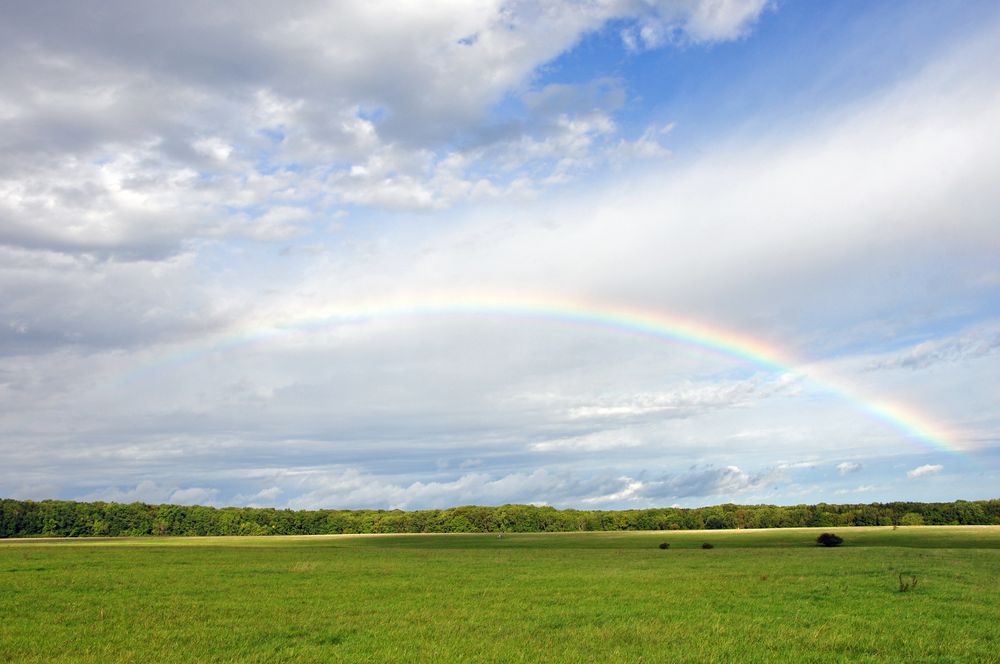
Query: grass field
(758,596)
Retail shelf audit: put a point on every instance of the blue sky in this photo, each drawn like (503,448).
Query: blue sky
(184,194)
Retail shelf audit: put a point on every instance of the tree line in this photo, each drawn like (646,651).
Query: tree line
(60,518)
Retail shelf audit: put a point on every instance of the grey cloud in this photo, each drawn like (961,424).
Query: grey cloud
(978,343)
(351,488)
(50,300)
(727,481)
(683,401)
(558,99)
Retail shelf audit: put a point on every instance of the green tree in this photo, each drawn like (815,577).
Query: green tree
(911,519)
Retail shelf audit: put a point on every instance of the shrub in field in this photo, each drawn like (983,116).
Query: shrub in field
(829,539)
(706,545)
(664,545)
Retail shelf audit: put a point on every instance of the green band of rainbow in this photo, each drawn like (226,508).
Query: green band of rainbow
(655,324)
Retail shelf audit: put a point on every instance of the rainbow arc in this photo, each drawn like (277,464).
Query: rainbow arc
(651,323)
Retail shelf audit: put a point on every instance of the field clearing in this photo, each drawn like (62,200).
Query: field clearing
(759,595)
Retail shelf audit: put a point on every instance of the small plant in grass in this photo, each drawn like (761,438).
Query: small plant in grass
(664,545)
(907,585)
(829,539)
(707,545)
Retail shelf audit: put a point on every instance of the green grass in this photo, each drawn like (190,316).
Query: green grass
(758,596)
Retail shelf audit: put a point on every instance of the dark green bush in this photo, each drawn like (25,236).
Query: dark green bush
(829,539)
(664,545)
(907,586)
(706,545)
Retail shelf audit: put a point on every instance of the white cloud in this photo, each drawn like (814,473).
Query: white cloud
(591,442)
(721,20)
(149,491)
(848,467)
(798,465)
(698,22)
(267,497)
(315,105)
(631,492)
(647,146)
(194,496)
(926,469)
(681,402)
(864,488)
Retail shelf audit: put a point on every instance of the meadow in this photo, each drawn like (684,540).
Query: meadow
(757,596)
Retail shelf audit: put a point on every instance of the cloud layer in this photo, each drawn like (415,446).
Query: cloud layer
(183,192)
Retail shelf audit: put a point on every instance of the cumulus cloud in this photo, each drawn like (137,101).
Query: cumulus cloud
(697,22)
(728,481)
(864,488)
(848,467)
(267,497)
(352,488)
(318,105)
(797,465)
(632,491)
(926,469)
(149,491)
(194,496)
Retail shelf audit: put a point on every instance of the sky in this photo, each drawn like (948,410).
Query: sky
(607,254)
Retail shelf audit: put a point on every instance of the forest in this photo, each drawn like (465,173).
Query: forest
(60,518)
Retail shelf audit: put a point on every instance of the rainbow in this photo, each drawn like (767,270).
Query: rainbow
(655,324)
